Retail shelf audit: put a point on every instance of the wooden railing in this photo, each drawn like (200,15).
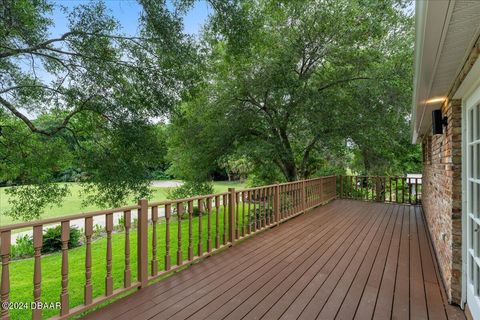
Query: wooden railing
(380,189)
(192,229)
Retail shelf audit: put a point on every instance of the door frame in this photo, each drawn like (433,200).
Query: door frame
(470,98)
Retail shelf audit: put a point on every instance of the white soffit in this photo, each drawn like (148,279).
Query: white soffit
(446,31)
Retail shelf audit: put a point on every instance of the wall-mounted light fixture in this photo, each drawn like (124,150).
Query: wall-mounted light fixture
(438,122)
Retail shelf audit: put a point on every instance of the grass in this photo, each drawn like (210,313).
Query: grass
(21,271)
(72,204)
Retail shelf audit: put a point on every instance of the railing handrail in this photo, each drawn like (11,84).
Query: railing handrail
(76,216)
(82,215)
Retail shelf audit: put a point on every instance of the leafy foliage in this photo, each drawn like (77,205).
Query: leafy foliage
(23,247)
(190,189)
(52,239)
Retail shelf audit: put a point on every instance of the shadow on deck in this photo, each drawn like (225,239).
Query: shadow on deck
(348,259)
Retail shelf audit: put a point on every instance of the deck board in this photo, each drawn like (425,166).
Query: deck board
(348,259)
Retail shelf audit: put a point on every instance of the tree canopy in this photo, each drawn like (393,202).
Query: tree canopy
(297,84)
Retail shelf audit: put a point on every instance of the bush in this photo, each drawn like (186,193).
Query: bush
(190,189)
(52,239)
(23,248)
(161,175)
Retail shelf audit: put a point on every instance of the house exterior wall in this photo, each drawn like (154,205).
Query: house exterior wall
(441,197)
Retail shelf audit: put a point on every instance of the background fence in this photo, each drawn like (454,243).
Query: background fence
(154,239)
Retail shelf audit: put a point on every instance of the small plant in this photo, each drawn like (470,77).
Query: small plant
(121,224)
(98,232)
(23,248)
(52,239)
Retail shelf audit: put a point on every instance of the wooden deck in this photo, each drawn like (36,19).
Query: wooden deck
(346,260)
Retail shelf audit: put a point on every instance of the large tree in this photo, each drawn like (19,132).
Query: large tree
(87,97)
(281,78)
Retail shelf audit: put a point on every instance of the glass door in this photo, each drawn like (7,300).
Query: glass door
(473,209)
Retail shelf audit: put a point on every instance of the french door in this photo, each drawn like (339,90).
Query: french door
(473,207)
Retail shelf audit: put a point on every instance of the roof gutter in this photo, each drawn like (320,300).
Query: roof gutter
(420,15)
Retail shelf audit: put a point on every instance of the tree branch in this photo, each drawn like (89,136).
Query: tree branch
(44,45)
(30,124)
(30,86)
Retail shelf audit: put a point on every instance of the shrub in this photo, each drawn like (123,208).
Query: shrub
(23,247)
(161,175)
(52,239)
(190,189)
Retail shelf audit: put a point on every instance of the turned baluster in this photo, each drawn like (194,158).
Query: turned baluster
(243,214)
(209,225)
(254,210)
(64,296)
(190,230)
(127,273)
(37,271)
(167,236)
(5,286)
(87,289)
(237,208)
(154,262)
(179,234)
(225,206)
(200,210)
(217,212)
(108,276)
(249,197)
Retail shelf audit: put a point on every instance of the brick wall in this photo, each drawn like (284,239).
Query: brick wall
(442,189)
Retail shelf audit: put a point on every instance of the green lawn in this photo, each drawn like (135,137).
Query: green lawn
(73,203)
(21,271)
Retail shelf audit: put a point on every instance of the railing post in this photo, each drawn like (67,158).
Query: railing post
(231,215)
(5,260)
(321,191)
(142,243)
(341,187)
(304,196)
(276,204)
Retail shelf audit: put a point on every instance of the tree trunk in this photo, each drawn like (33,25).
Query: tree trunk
(366,161)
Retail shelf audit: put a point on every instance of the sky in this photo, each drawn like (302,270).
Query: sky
(127,12)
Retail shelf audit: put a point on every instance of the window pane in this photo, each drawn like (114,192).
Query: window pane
(478,122)
(472,267)
(471,160)
(476,247)
(477,287)
(476,200)
(477,161)
(470,125)
(470,203)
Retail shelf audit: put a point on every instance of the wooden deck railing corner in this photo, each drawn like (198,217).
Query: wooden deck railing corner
(381,189)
